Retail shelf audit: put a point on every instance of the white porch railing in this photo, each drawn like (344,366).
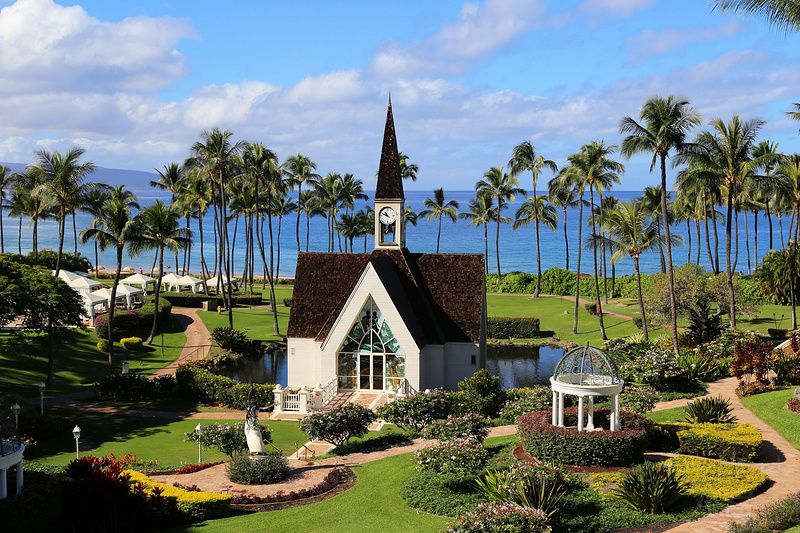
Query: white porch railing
(301,402)
(406,389)
(329,391)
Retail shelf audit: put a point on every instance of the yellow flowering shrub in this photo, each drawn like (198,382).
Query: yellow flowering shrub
(731,442)
(196,505)
(706,477)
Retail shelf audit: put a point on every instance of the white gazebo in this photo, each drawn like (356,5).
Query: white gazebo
(11,451)
(222,281)
(194,283)
(68,275)
(82,284)
(170,280)
(130,293)
(90,303)
(105,293)
(139,279)
(586,372)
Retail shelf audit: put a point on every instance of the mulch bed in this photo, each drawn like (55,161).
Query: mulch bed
(347,482)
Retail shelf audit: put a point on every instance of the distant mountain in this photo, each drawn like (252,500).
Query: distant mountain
(132,179)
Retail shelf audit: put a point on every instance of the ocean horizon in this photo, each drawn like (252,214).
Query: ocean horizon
(517,247)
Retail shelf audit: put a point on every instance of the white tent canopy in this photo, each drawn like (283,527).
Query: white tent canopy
(139,279)
(124,292)
(212,282)
(189,281)
(90,302)
(82,284)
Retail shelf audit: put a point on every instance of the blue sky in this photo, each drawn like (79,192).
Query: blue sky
(136,82)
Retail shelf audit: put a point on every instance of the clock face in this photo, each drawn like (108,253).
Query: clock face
(387,216)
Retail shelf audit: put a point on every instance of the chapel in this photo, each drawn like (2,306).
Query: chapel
(391,318)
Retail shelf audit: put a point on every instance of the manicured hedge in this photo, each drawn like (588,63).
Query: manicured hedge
(585,448)
(195,300)
(127,321)
(724,481)
(513,328)
(198,383)
(196,505)
(729,442)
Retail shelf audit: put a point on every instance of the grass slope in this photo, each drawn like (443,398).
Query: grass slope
(771,408)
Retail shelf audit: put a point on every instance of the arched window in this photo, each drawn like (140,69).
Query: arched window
(370,357)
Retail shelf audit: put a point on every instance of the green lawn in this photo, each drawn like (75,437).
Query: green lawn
(146,438)
(771,408)
(553,321)
(257,323)
(667,415)
(81,364)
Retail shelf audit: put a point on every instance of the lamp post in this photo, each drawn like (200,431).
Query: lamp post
(199,430)
(41,398)
(76,432)
(16,409)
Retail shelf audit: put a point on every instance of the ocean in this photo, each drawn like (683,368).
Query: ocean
(517,248)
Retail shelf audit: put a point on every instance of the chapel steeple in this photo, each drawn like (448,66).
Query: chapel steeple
(389,197)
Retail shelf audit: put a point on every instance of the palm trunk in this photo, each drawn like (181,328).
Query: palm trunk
(578,271)
(747,244)
(203,265)
(728,269)
(689,233)
(670,276)
(74,233)
(497,248)
(156,294)
(297,230)
(736,236)
(596,270)
(780,228)
(697,234)
(566,238)
(278,264)
(639,293)
(792,273)
(538,288)
(439,234)
(769,219)
(61,228)
(708,236)
(112,307)
(486,245)
(716,239)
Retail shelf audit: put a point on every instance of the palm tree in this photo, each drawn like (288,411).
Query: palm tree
(29,200)
(329,195)
(503,188)
(300,169)
(171,179)
(281,206)
(309,206)
(481,212)
(7,178)
(217,156)
(115,226)
(727,154)
(632,231)
(536,209)
(409,217)
(408,171)
(64,175)
(349,227)
(194,198)
(591,168)
(651,203)
(767,151)
(665,124)
(93,204)
(563,193)
(784,15)
(159,229)
(788,174)
(524,158)
(436,208)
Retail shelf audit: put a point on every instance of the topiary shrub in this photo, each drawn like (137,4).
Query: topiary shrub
(567,445)
(468,426)
(591,308)
(262,471)
(463,458)
(338,425)
(481,394)
(287,302)
(131,343)
(777,333)
(526,400)
(513,328)
(729,442)
(103,345)
(651,487)
(709,410)
(417,411)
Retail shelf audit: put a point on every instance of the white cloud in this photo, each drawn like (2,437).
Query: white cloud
(651,43)
(47,47)
(614,8)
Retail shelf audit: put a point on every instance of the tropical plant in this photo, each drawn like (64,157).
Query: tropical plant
(538,485)
(481,212)
(651,487)
(562,191)
(665,124)
(782,14)
(114,227)
(300,169)
(709,410)
(500,518)
(788,190)
(524,158)
(436,208)
(536,210)
(503,188)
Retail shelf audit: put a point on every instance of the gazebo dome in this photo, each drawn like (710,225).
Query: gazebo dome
(587,366)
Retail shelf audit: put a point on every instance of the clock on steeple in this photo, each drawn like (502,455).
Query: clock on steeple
(389,198)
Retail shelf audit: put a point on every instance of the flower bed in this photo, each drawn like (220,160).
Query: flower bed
(195,505)
(730,442)
(585,448)
(330,481)
(191,469)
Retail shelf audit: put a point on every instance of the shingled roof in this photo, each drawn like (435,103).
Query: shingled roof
(390,182)
(439,296)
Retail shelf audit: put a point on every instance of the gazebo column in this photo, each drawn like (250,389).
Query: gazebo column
(590,417)
(3,485)
(19,476)
(614,423)
(580,413)
(561,409)
(555,409)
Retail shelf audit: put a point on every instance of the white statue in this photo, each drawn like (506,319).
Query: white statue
(255,441)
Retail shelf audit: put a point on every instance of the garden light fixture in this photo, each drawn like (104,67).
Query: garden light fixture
(76,432)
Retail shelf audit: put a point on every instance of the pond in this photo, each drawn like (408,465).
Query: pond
(517,366)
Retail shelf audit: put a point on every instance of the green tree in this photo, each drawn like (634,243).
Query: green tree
(159,229)
(114,227)
(436,208)
(536,209)
(408,171)
(7,179)
(783,15)
(564,194)
(665,122)
(524,158)
(788,174)
(300,169)
(503,188)
(63,183)
(481,212)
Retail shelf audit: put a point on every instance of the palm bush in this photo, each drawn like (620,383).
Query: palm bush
(539,485)
(709,410)
(651,487)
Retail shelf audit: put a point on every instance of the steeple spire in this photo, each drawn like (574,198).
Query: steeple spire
(390,182)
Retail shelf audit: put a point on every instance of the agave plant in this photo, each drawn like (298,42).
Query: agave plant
(651,487)
(709,410)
